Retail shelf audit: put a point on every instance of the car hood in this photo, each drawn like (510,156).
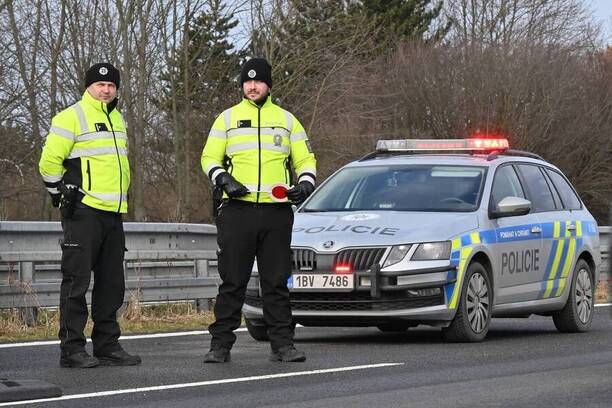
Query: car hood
(327,231)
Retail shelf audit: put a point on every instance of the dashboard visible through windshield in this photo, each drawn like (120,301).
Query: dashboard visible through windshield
(436,188)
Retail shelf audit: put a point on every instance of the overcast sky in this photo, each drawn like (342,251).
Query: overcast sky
(603,11)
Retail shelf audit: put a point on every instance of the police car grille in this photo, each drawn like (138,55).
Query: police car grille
(353,301)
(304,260)
(360,259)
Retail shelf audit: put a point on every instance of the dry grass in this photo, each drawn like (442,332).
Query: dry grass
(136,318)
(603,292)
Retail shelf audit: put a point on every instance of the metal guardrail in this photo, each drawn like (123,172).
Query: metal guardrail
(605,242)
(164,262)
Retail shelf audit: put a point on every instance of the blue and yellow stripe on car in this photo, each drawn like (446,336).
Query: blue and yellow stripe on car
(461,249)
(562,255)
(564,251)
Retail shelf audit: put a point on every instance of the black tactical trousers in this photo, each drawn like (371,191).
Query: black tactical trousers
(93,240)
(245,231)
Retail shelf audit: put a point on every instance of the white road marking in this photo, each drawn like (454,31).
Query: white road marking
(133,337)
(200,384)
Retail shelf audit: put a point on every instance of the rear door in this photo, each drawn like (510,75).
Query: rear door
(552,216)
(562,235)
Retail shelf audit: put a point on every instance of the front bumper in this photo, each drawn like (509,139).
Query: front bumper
(378,297)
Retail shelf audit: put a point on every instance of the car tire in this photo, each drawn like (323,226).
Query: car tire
(577,314)
(394,327)
(257,329)
(471,322)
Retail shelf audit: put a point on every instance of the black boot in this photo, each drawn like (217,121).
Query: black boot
(80,359)
(218,355)
(118,358)
(288,354)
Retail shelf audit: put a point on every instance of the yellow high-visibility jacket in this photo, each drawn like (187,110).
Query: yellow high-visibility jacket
(254,144)
(87,146)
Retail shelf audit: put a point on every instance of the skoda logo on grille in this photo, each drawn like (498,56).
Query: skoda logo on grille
(328,244)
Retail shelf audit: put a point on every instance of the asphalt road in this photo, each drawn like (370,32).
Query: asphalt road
(523,362)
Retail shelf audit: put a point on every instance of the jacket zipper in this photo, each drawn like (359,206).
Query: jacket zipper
(88,176)
(258,151)
(118,159)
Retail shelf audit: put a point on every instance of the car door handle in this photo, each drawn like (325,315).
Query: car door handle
(571,227)
(536,230)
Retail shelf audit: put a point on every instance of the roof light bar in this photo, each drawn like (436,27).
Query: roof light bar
(415,145)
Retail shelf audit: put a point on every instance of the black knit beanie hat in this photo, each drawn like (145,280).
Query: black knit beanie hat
(102,72)
(256,68)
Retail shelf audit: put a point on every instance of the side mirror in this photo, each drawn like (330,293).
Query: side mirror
(510,207)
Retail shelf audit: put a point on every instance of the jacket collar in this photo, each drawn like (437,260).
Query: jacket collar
(267,103)
(99,105)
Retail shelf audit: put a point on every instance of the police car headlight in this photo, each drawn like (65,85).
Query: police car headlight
(432,251)
(396,254)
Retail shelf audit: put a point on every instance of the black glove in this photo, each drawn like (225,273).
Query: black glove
(231,186)
(55,199)
(297,194)
(69,199)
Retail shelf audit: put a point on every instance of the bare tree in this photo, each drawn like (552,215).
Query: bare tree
(549,100)
(506,22)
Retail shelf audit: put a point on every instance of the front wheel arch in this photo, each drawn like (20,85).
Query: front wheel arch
(483,259)
(474,308)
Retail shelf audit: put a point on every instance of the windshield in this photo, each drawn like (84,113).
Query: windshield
(401,188)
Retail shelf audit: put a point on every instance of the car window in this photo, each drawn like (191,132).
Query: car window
(568,196)
(553,190)
(538,188)
(401,188)
(506,184)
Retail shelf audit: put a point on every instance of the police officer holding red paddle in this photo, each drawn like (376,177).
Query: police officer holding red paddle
(248,155)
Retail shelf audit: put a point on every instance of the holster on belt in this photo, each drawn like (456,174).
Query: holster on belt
(217,200)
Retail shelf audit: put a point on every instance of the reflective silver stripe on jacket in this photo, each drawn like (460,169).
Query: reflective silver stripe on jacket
(101,135)
(220,134)
(106,196)
(264,188)
(62,132)
(53,190)
(252,146)
(306,177)
(289,118)
(98,151)
(227,117)
(213,176)
(53,179)
(81,115)
(298,136)
(264,131)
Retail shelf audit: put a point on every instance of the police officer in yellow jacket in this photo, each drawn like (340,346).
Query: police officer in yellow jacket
(249,151)
(84,165)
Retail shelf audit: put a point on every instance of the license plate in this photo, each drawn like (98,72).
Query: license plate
(328,282)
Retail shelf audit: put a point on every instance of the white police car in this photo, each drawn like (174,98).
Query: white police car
(401,238)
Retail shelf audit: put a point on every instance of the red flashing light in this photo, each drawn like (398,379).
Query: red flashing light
(488,144)
(343,269)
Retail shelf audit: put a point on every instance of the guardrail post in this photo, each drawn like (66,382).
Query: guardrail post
(201,269)
(26,277)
